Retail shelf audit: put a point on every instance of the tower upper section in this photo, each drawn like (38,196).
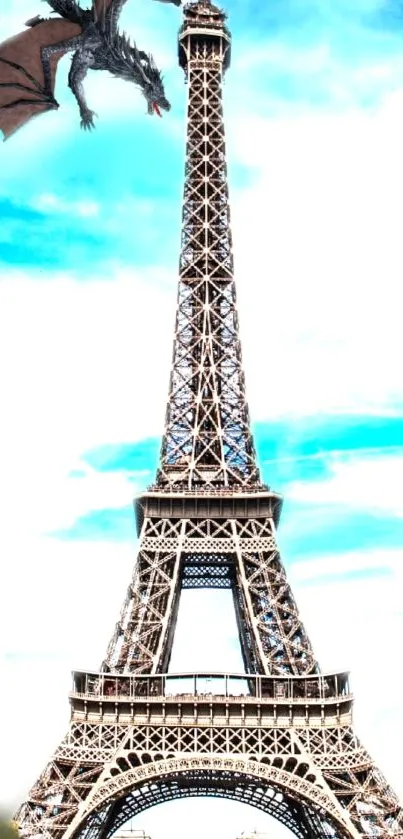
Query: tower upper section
(204,27)
(207,444)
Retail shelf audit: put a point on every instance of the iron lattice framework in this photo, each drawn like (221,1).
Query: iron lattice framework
(207,441)
(279,736)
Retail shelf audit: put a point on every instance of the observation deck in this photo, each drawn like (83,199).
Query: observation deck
(213,699)
(205,22)
(225,503)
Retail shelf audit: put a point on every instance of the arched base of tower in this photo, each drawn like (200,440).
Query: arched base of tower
(304,821)
(289,794)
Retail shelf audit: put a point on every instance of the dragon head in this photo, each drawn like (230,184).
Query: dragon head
(153,88)
(133,65)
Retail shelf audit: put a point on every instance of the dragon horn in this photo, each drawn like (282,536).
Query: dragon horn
(137,59)
(139,67)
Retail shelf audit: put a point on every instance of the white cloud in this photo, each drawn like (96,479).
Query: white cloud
(49,203)
(316,73)
(79,359)
(355,625)
(77,362)
(360,483)
(56,501)
(312,570)
(318,259)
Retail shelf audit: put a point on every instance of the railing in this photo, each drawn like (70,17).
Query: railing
(209,491)
(213,687)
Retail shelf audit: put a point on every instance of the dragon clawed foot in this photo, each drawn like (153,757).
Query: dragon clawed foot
(87,119)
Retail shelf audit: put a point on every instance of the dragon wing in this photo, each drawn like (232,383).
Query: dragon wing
(102,6)
(22,86)
(109,11)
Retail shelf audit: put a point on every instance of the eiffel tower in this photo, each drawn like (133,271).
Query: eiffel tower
(278,736)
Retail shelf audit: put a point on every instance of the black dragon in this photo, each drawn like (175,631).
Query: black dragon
(28,62)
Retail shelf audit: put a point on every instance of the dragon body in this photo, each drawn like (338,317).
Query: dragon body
(28,62)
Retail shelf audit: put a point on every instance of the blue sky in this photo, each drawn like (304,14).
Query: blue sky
(89,240)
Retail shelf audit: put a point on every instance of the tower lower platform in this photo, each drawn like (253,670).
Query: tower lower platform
(285,745)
